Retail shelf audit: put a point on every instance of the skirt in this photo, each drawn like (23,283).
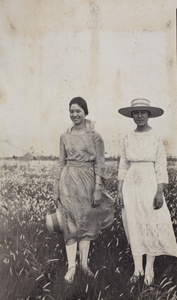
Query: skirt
(84,221)
(149,231)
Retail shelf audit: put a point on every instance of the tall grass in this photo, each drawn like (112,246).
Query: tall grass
(33,261)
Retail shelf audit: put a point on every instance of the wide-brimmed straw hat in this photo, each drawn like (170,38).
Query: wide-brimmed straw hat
(141,104)
(57,221)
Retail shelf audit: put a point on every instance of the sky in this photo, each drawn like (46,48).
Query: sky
(108,52)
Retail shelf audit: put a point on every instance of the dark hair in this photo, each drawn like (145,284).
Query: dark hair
(81,102)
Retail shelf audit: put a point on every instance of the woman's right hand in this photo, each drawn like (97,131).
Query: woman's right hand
(120,201)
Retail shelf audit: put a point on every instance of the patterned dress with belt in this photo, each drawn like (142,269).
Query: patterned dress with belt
(81,158)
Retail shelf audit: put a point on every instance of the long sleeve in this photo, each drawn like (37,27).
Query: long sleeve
(99,162)
(124,164)
(161,163)
(62,160)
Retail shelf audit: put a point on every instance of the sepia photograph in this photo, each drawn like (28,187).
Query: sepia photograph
(88,150)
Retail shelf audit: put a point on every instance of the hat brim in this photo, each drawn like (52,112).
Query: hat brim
(57,221)
(154,111)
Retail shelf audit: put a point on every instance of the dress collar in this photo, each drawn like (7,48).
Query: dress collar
(90,126)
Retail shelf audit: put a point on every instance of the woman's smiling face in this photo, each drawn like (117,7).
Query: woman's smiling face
(77,114)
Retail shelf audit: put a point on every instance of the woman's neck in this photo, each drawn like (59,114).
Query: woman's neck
(144,128)
(79,128)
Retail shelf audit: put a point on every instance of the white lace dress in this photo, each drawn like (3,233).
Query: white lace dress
(142,166)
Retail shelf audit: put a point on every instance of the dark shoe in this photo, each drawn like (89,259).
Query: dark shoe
(134,279)
(87,271)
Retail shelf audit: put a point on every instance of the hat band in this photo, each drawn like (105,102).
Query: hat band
(140,102)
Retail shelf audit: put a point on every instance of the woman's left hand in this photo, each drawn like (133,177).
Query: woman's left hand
(96,200)
(158,200)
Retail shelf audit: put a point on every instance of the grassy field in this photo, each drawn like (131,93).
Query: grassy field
(33,261)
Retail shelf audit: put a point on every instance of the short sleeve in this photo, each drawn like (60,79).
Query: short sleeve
(62,160)
(161,162)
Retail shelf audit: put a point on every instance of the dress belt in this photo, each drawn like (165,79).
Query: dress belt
(79,164)
(142,164)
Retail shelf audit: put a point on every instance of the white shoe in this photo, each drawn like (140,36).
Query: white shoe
(149,278)
(69,277)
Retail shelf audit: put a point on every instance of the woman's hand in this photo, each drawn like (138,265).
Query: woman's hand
(96,200)
(158,200)
(120,201)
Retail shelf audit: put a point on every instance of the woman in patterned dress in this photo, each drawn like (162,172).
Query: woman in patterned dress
(141,176)
(79,186)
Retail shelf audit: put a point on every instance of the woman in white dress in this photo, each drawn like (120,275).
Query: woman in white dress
(141,176)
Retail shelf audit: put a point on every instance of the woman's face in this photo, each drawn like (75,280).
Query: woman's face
(77,114)
(140,117)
